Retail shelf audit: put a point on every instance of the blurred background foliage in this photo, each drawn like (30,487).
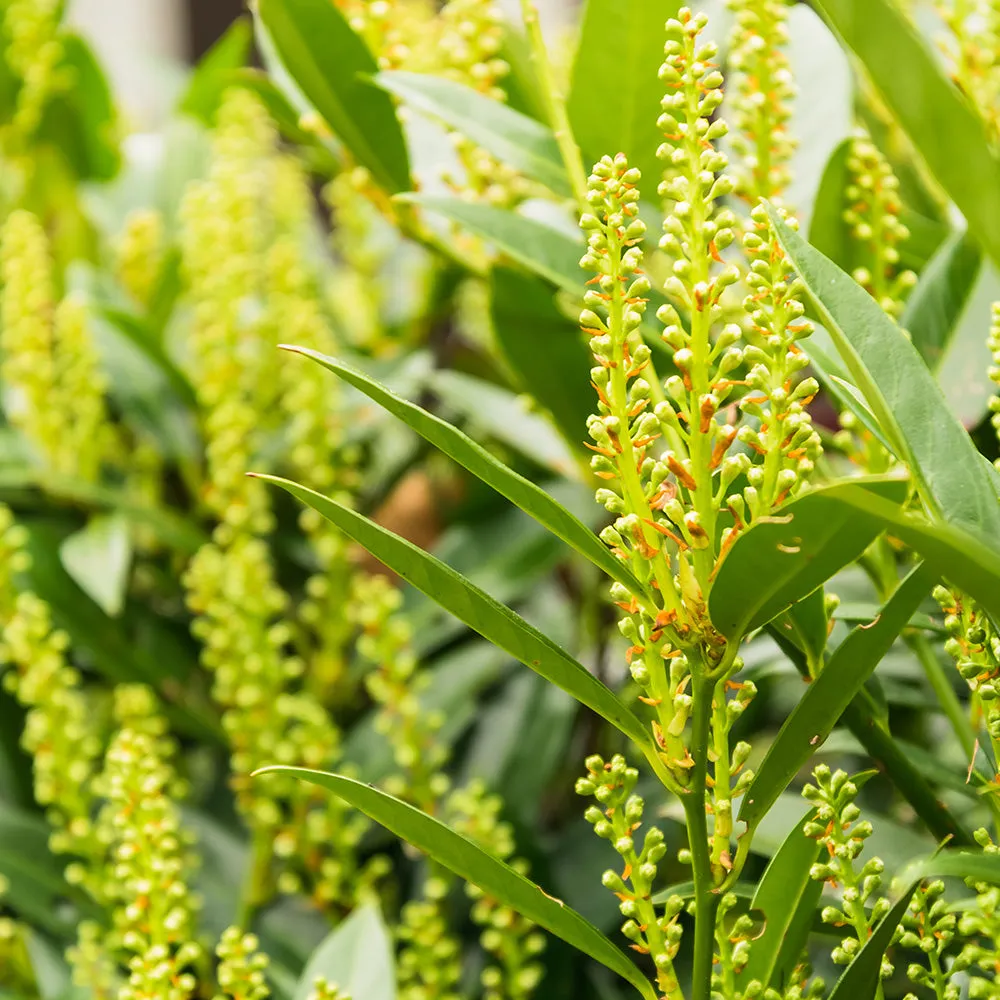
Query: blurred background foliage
(182,224)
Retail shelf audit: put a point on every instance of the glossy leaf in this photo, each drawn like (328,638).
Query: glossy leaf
(788,898)
(357,955)
(469,861)
(955,555)
(613,108)
(98,558)
(789,555)
(329,63)
(517,140)
(946,130)
(474,607)
(813,718)
(521,492)
(536,340)
(902,393)
(550,253)
(214,73)
(936,304)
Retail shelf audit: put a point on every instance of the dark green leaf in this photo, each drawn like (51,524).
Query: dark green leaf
(826,698)
(787,897)
(519,141)
(537,342)
(937,303)
(613,106)
(214,73)
(474,607)
(473,864)
(357,956)
(521,492)
(828,231)
(98,557)
(329,63)
(789,555)
(806,624)
(948,133)
(902,393)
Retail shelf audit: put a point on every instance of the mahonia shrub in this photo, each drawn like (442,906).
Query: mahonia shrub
(631,399)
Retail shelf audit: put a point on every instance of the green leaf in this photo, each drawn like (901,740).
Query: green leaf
(214,73)
(517,140)
(613,105)
(536,340)
(806,624)
(788,898)
(357,956)
(813,718)
(510,419)
(902,393)
(82,120)
(956,555)
(949,134)
(828,231)
(937,303)
(521,492)
(329,64)
(491,619)
(98,558)
(550,253)
(789,555)
(469,861)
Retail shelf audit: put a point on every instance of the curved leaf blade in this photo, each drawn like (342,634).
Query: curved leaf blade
(473,864)
(491,619)
(946,130)
(904,396)
(357,955)
(517,140)
(790,554)
(620,115)
(329,63)
(827,697)
(521,492)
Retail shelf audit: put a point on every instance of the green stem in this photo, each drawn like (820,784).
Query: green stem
(555,105)
(706,898)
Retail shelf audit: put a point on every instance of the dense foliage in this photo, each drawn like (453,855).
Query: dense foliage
(307,399)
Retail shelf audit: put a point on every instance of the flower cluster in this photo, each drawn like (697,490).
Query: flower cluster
(993,343)
(872,213)
(971,45)
(153,907)
(930,927)
(54,387)
(838,827)
(975,647)
(60,732)
(241,966)
(764,92)
(980,925)
(140,254)
(615,817)
(32,50)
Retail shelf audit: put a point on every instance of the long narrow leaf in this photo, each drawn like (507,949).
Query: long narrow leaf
(474,607)
(901,392)
(329,64)
(789,555)
(471,862)
(521,492)
(519,141)
(826,698)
